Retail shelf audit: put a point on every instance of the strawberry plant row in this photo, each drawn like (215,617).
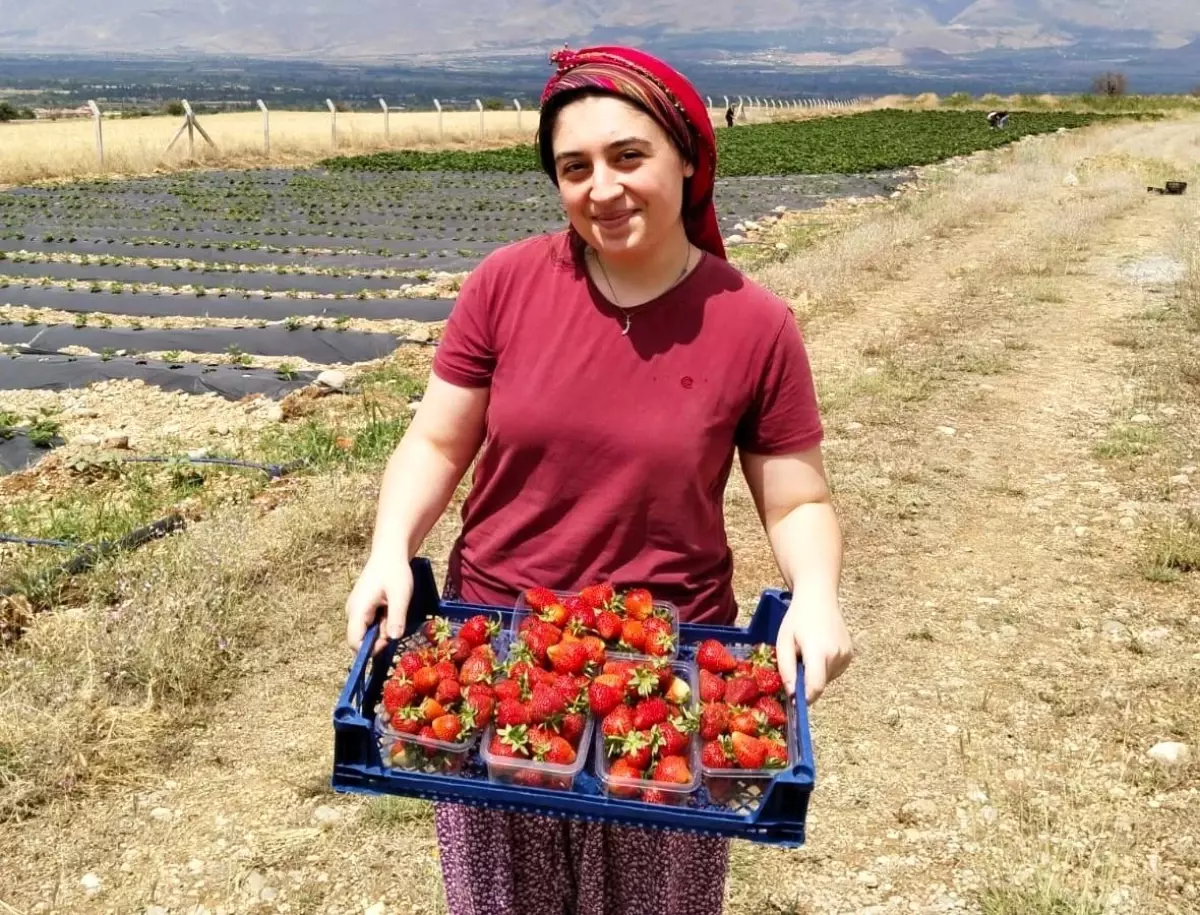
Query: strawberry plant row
(768,807)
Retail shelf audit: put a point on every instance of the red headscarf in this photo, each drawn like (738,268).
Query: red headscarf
(668,97)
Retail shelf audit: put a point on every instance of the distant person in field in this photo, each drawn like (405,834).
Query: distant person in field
(729,116)
(997,119)
(606,377)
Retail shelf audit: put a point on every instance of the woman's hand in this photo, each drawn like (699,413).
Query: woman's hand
(814,631)
(383,582)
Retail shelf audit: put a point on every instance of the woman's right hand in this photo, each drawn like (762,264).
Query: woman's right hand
(382,583)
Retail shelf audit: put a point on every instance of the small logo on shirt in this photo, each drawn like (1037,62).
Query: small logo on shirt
(686,382)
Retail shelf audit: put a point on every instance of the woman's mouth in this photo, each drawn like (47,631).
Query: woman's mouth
(613,220)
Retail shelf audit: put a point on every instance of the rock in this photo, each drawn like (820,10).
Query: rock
(780,246)
(917,811)
(255,882)
(377,909)
(333,379)
(1181,479)
(947,430)
(327,816)
(195,866)
(269,894)
(739,227)
(1188,469)
(86,441)
(866,878)
(735,239)
(853,426)
(197,454)
(1140,418)
(1070,180)
(1114,630)
(156,910)
(273,413)
(1157,634)
(160,813)
(90,882)
(1170,753)
(116,440)
(780,209)
(83,413)
(989,815)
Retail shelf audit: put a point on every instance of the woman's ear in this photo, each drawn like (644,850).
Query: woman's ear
(688,169)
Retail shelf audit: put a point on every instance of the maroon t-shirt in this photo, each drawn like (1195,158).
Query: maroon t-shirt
(606,456)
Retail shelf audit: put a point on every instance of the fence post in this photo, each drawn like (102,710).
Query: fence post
(387,126)
(708,98)
(517,103)
(479,105)
(95,109)
(191,128)
(726,97)
(332,123)
(438,106)
(266,127)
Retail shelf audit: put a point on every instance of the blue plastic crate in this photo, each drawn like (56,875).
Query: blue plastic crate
(774,814)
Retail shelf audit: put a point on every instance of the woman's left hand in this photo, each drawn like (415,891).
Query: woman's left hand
(814,631)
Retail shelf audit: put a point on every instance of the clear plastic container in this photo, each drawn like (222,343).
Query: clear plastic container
(743,789)
(420,754)
(529,773)
(634,788)
(522,612)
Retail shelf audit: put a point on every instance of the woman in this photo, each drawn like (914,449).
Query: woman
(610,373)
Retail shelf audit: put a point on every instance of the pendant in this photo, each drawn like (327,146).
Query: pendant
(628,321)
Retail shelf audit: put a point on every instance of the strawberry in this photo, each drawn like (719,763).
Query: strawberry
(447,728)
(768,680)
(618,722)
(763,655)
(623,771)
(638,603)
(567,657)
(741,691)
(529,778)
(455,649)
(410,663)
(595,649)
(671,741)
(516,738)
(714,720)
(777,754)
(539,637)
(636,748)
(712,687)
(431,709)
(715,657)
(479,630)
(649,712)
(510,712)
(581,611)
(747,722)
(498,747)
(605,694)
(770,707)
(643,681)
(713,756)
(426,680)
(679,692)
(555,614)
(744,668)
(597,596)
(573,726)
(482,704)
(448,691)
(407,722)
(427,733)
(436,630)
(508,689)
(633,634)
(537,598)
(476,669)
(557,751)
(446,670)
(673,769)
(608,625)
(484,651)
(396,695)
(656,796)
(750,752)
(545,704)
(659,640)
(623,669)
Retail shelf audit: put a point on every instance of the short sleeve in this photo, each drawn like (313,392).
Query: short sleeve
(783,416)
(466,354)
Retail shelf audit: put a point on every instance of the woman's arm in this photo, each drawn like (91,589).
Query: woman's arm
(418,483)
(793,501)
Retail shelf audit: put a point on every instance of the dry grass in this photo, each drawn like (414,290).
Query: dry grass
(33,151)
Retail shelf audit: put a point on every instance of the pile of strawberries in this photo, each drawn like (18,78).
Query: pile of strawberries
(441,692)
(626,622)
(743,721)
(646,718)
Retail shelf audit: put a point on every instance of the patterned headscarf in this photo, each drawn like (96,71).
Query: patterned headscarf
(668,97)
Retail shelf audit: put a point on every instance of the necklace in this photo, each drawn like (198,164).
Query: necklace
(612,293)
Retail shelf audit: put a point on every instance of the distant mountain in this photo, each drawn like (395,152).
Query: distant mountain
(432,29)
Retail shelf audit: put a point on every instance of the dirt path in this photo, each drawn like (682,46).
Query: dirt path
(1014,665)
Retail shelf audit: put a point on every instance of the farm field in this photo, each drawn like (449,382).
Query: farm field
(1006,358)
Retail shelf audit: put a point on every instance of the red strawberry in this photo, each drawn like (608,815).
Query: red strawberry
(659,640)
(498,747)
(555,614)
(750,752)
(623,770)
(545,704)
(431,709)
(595,648)
(410,663)
(516,738)
(650,712)
(673,769)
(633,634)
(476,669)
(539,637)
(713,756)
(484,651)
(446,670)
(557,751)
(537,598)
(437,630)
(428,733)
(747,722)
(510,713)
(639,605)
(568,657)
(643,681)
(777,754)
(622,669)
(408,722)
(579,609)
(672,741)
(455,649)
(481,704)
(608,624)
(741,691)
(679,692)
(426,680)
(447,728)
(635,747)
(712,687)
(715,657)
(768,680)
(618,722)
(605,694)
(396,695)
(770,707)
(656,796)
(448,691)
(744,668)
(530,778)
(714,721)
(597,596)
(508,689)
(573,726)
(479,630)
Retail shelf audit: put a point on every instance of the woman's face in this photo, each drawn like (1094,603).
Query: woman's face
(619,175)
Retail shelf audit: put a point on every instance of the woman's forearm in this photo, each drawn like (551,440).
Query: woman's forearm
(807,542)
